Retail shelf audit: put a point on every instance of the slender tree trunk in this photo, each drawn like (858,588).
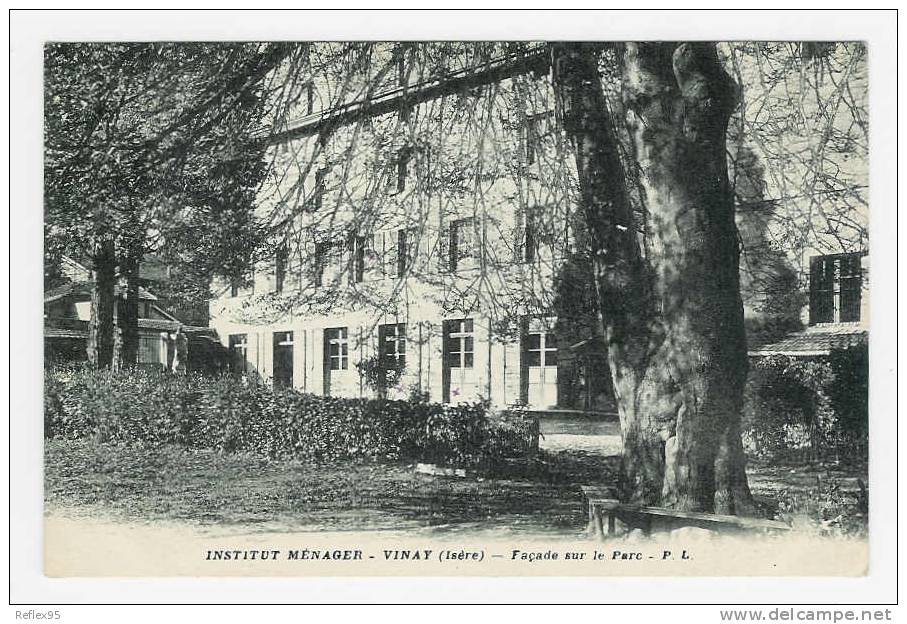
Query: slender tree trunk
(128,314)
(101,326)
(671,308)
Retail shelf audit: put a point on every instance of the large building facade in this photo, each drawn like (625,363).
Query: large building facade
(423,209)
(426,236)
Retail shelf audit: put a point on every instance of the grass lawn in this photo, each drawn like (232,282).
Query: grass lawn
(538,497)
(203,487)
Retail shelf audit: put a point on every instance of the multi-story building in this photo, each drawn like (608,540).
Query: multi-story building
(423,225)
(422,207)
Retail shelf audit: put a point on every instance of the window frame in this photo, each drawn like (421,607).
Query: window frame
(392,334)
(458,334)
(405,254)
(320,188)
(835,288)
(356,245)
(281,259)
(238,345)
(341,341)
(455,239)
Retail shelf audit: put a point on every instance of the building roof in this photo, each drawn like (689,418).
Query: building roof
(816,341)
(84,289)
(76,328)
(62,333)
(535,59)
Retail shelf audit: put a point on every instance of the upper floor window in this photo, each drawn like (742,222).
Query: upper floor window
(320,186)
(320,261)
(356,245)
(405,241)
(403,158)
(530,238)
(402,74)
(309,98)
(234,287)
(535,127)
(462,242)
(280,267)
(835,288)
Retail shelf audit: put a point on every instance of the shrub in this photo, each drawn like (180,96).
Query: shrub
(231,416)
(828,508)
(808,408)
(380,373)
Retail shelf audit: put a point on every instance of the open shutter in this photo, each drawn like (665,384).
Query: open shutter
(519,235)
(374,256)
(390,254)
(851,278)
(821,290)
(443,246)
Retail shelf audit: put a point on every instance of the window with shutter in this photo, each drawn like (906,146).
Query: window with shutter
(403,158)
(320,188)
(239,352)
(280,267)
(462,243)
(835,288)
(851,286)
(356,258)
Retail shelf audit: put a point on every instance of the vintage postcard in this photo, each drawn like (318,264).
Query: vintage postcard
(456,308)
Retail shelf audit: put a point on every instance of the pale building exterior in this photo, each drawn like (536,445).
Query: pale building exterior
(430,234)
(428,221)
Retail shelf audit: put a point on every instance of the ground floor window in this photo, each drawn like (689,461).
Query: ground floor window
(459,358)
(338,348)
(239,352)
(393,344)
(539,387)
(336,356)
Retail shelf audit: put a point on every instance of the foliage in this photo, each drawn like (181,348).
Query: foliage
(226,415)
(809,407)
(379,372)
(827,508)
(151,148)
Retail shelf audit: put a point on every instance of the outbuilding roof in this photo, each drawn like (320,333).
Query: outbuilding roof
(816,341)
(84,289)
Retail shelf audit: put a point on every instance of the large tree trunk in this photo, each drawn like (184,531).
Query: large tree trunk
(101,327)
(667,272)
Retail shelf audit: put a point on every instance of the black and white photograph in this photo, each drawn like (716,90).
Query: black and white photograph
(457,307)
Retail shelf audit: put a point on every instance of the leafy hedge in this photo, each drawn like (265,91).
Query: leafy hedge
(229,416)
(808,408)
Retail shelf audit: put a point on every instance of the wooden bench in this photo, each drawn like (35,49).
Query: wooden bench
(608,510)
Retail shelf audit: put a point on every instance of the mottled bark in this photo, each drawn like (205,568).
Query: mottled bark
(671,311)
(101,327)
(128,314)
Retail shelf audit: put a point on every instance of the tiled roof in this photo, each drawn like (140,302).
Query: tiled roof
(819,340)
(77,328)
(159,324)
(60,332)
(84,289)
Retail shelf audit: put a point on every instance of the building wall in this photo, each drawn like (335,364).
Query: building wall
(491,154)
(468,158)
